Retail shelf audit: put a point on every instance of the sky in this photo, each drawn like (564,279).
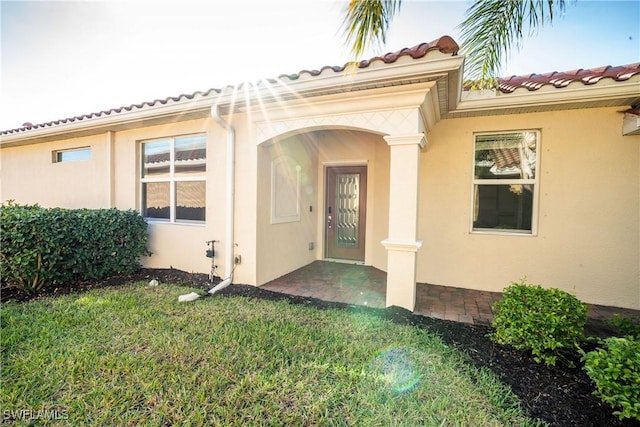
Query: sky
(63,59)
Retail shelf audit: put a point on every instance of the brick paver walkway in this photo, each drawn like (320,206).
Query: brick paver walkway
(365,285)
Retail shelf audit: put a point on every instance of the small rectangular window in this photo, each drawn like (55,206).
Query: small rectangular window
(173,176)
(505,182)
(72,155)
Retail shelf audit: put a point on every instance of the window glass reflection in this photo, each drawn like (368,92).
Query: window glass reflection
(506,156)
(190,155)
(190,200)
(505,207)
(155,200)
(156,159)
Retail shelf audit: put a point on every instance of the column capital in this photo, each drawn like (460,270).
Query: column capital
(416,138)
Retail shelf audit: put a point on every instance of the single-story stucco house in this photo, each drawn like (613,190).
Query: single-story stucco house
(389,162)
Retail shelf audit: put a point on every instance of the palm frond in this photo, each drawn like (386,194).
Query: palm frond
(492,27)
(366,22)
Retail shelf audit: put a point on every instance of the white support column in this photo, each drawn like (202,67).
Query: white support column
(402,244)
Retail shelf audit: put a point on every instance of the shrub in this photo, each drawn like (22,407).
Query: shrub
(615,369)
(41,247)
(626,325)
(541,320)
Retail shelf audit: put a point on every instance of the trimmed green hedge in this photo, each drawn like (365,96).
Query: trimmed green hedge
(42,247)
(615,370)
(542,320)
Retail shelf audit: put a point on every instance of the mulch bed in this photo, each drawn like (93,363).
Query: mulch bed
(560,395)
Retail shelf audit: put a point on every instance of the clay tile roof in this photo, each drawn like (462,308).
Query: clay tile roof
(113,111)
(533,82)
(444,44)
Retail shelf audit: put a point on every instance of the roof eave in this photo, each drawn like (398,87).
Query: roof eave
(619,93)
(403,71)
(400,72)
(148,116)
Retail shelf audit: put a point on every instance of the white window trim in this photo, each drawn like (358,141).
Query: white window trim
(535,182)
(171,179)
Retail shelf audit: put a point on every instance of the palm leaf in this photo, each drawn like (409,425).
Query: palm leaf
(492,27)
(367,21)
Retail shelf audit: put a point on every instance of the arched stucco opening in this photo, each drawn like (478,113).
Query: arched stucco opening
(291,181)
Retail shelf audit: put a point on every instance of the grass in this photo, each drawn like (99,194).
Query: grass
(133,355)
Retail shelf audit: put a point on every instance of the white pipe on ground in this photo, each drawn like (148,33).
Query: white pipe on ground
(226,282)
(229,205)
(188,297)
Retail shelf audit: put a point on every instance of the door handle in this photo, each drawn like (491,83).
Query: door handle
(329,221)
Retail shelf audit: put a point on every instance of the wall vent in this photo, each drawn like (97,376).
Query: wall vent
(631,124)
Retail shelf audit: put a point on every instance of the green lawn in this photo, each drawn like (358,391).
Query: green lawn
(133,355)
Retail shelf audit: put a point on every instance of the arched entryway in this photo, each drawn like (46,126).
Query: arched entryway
(296,148)
(296,210)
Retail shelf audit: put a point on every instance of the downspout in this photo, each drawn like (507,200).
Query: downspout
(229,204)
(229,199)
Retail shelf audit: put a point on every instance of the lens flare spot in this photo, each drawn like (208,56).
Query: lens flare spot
(396,367)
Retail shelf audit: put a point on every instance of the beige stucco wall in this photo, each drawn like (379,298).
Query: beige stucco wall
(588,238)
(246,176)
(173,245)
(284,246)
(29,175)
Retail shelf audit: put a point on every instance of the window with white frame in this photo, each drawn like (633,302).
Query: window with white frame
(174,179)
(505,182)
(71,155)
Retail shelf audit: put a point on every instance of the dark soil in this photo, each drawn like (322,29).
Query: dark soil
(560,395)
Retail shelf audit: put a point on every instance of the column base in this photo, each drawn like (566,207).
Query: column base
(401,272)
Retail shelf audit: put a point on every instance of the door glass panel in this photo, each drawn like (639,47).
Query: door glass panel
(347,210)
